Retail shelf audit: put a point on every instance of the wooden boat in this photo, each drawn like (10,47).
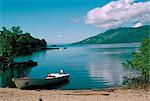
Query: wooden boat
(54,79)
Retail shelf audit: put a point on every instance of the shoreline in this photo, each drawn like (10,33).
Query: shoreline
(14,94)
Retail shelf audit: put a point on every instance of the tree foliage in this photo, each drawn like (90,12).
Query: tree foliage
(140,60)
(16,43)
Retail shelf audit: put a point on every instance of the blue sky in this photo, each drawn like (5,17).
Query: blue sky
(57,21)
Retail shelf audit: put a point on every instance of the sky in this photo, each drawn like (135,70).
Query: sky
(68,21)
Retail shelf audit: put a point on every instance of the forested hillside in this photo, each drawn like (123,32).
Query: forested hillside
(16,43)
(120,35)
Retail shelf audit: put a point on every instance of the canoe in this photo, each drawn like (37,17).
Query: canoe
(55,78)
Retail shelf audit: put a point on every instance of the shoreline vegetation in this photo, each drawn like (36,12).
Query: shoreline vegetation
(13,43)
(7,62)
(139,67)
(17,43)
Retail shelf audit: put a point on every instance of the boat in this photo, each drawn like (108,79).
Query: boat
(49,81)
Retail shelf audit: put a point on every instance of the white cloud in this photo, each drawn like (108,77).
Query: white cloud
(137,25)
(119,13)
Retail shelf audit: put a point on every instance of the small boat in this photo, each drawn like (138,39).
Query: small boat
(52,80)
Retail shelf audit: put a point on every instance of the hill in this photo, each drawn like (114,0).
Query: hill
(120,35)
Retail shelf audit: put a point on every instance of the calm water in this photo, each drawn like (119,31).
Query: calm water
(90,66)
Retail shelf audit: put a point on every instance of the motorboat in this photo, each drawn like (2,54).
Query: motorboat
(50,80)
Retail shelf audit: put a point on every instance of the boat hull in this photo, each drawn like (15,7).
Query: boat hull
(40,83)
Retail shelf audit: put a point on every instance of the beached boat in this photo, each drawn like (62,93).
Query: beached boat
(52,80)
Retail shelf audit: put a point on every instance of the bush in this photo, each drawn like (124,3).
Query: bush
(140,63)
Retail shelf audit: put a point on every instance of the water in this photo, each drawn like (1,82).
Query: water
(90,66)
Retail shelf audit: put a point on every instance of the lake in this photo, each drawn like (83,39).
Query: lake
(90,66)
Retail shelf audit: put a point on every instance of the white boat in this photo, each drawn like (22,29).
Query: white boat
(54,79)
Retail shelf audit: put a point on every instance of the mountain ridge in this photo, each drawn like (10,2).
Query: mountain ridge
(119,35)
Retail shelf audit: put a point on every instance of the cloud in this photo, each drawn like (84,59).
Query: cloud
(119,13)
(137,25)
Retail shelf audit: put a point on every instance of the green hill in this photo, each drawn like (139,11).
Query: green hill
(120,35)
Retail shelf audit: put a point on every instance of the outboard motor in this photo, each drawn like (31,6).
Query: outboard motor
(61,71)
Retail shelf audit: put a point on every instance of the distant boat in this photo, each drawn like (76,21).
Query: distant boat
(55,78)
(54,45)
(50,48)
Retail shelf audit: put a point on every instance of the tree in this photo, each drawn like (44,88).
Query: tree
(140,60)
(16,43)
(16,30)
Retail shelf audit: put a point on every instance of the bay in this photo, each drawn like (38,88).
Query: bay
(90,66)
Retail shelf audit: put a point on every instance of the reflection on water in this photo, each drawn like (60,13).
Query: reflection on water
(90,66)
